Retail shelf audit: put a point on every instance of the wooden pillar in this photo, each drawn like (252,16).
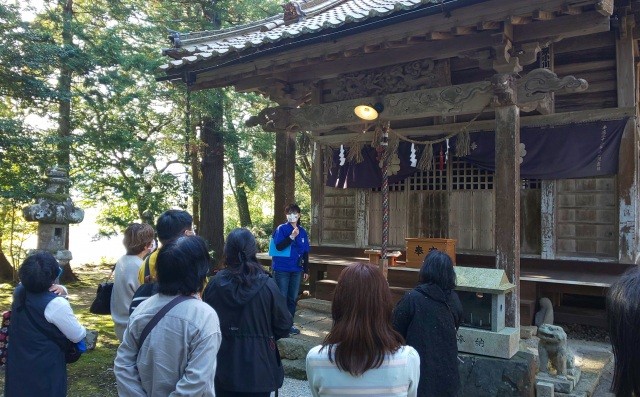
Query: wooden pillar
(362,219)
(628,157)
(548,219)
(284,178)
(507,190)
(317,193)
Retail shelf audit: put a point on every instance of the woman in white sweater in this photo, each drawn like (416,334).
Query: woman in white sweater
(362,354)
(138,241)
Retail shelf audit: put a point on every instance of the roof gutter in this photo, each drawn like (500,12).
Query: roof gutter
(189,77)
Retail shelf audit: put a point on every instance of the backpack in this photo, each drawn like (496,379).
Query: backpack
(144,291)
(4,337)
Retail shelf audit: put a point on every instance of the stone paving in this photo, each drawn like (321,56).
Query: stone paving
(314,320)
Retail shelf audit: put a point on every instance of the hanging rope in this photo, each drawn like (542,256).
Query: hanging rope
(385,193)
(355,152)
(461,150)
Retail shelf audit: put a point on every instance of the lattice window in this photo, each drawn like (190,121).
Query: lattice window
(429,180)
(465,176)
(393,187)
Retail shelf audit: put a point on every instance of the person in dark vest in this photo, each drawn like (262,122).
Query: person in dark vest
(253,316)
(428,318)
(36,363)
(623,317)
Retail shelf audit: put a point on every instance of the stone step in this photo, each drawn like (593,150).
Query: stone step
(318,305)
(313,318)
(295,369)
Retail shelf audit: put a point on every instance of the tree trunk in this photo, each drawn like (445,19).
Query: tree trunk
(7,272)
(196,177)
(284,178)
(241,196)
(211,203)
(241,172)
(64,87)
(64,109)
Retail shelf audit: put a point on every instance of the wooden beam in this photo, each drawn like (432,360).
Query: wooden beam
(439,35)
(432,49)
(605,7)
(489,25)
(494,10)
(570,26)
(584,116)
(540,15)
(518,20)
(443,101)
(572,44)
(569,10)
(463,30)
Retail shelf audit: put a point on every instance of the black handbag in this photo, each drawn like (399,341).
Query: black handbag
(102,302)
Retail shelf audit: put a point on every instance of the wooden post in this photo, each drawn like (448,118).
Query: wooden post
(628,158)
(317,194)
(284,178)
(507,190)
(548,219)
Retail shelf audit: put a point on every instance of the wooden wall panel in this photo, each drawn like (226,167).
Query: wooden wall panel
(587,218)
(339,217)
(483,220)
(397,219)
(428,214)
(530,221)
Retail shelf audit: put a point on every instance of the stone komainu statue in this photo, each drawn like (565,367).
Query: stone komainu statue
(553,346)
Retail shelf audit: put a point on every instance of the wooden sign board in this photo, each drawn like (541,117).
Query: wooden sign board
(418,248)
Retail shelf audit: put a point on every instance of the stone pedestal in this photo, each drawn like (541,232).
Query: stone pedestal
(482,376)
(561,384)
(502,344)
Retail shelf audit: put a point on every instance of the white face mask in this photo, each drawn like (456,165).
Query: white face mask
(153,246)
(292,217)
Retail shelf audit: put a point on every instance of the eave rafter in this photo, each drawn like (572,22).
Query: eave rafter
(544,22)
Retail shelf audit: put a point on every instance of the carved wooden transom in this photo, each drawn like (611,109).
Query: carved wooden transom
(397,78)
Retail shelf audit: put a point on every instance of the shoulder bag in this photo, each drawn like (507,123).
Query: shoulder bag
(273,250)
(158,316)
(102,302)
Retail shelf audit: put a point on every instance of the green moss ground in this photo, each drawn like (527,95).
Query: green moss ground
(92,375)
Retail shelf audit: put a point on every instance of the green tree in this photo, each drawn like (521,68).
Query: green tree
(25,54)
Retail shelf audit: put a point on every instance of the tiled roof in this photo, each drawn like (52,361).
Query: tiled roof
(317,15)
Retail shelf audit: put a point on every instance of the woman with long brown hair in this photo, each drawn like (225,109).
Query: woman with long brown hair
(362,354)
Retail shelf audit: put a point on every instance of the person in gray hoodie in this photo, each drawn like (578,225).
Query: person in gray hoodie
(253,316)
(428,318)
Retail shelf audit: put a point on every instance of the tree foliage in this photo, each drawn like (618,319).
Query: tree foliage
(133,143)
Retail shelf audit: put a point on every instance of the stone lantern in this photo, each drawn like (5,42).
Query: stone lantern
(54,211)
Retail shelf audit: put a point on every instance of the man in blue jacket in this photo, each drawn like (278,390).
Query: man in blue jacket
(288,270)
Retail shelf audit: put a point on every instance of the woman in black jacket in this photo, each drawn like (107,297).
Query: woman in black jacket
(253,315)
(428,318)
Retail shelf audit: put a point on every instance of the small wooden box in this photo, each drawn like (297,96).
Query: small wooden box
(374,257)
(418,248)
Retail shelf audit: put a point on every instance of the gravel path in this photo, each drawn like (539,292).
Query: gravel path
(294,388)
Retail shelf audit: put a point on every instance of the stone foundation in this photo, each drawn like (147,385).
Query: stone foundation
(482,376)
